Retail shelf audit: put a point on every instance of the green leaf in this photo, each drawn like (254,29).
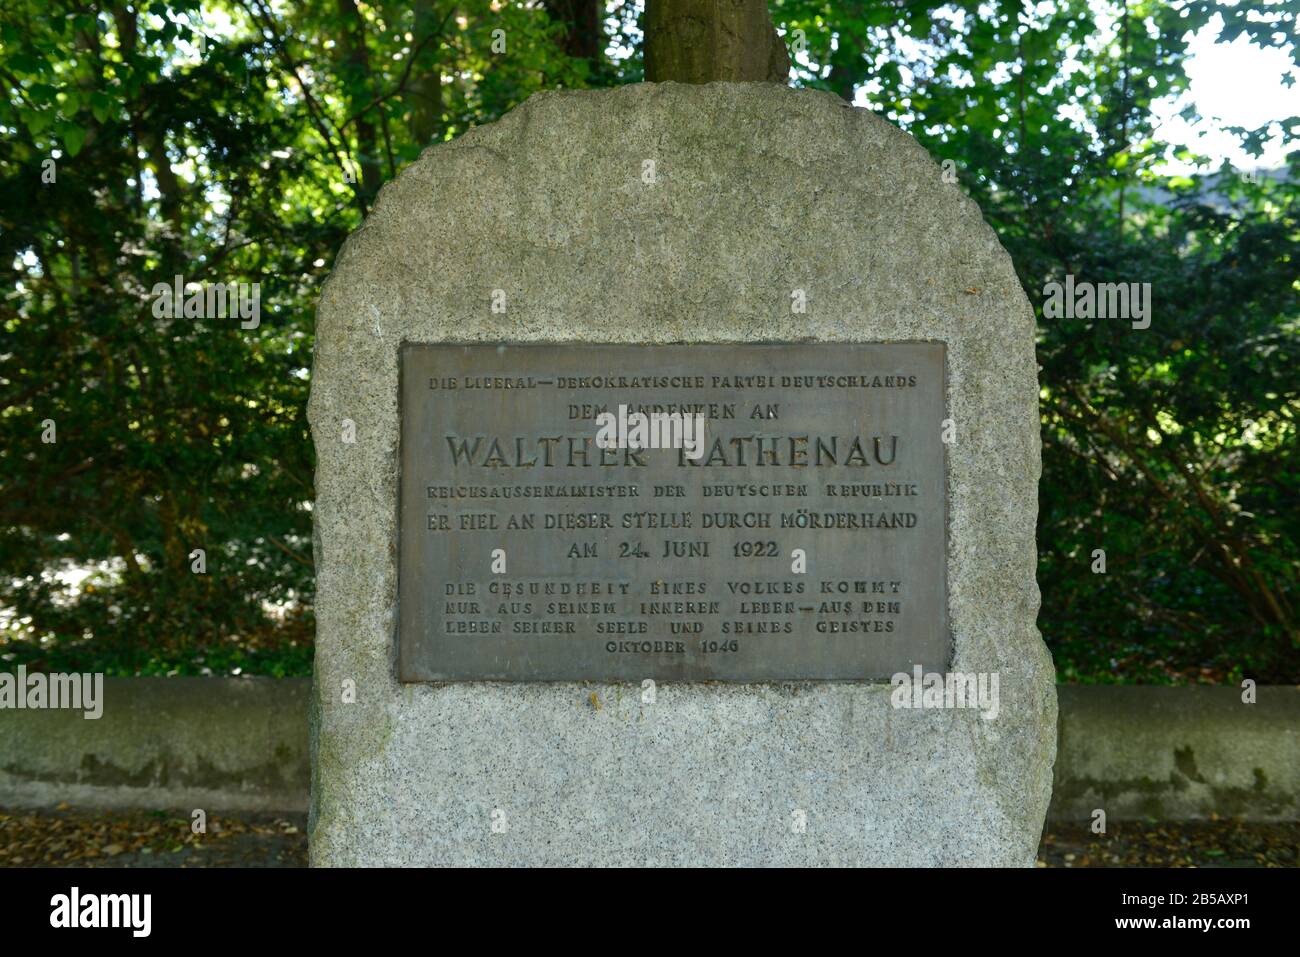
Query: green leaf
(38,121)
(101,106)
(73,138)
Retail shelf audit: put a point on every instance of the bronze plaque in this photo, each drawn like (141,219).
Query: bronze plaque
(737,512)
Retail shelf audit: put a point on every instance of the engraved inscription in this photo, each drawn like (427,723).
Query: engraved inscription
(801,534)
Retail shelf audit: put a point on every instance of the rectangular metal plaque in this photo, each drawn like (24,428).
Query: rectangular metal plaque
(805,540)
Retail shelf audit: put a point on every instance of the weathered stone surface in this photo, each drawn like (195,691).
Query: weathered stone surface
(759,190)
(222,744)
(1173,754)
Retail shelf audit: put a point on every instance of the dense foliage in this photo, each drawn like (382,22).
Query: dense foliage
(241,141)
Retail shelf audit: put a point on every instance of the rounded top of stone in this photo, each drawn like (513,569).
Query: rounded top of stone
(654,202)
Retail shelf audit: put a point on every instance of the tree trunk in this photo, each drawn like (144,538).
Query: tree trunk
(424,93)
(584,36)
(699,41)
(355,61)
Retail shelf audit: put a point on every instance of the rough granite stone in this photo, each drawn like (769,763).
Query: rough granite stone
(760,190)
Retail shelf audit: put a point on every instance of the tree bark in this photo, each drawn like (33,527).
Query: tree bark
(699,41)
(424,92)
(584,38)
(355,60)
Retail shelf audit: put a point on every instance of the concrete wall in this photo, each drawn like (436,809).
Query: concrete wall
(212,743)
(228,744)
(1177,753)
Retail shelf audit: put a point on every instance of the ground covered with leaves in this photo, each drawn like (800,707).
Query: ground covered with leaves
(65,837)
(1172,844)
